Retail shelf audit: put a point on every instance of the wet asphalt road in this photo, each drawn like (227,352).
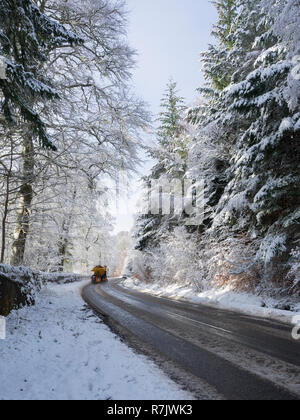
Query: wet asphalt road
(238,356)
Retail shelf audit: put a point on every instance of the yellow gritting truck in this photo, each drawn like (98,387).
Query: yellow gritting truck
(100,274)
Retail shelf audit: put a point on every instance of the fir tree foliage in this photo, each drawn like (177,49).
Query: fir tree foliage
(26,38)
(216,68)
(171,154)
(170,117)
(227,10)
(247,146)
(262,193)
(172,144)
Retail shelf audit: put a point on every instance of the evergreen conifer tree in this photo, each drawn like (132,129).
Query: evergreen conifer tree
(26,37)
(253,109)
(171,154)
(170,117)
(266,172)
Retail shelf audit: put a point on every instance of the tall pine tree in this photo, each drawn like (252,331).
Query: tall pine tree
(266,172)
(171,150)
(253,110)
(171,154)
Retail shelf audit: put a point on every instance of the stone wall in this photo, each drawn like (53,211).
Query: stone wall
(13,295)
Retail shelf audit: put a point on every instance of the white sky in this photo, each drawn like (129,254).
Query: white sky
(168,36)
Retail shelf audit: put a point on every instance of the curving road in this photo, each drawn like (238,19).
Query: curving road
(232,356)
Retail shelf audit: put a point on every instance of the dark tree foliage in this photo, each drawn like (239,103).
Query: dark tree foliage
(26,38)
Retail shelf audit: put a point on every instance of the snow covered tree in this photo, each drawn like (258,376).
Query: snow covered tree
(286,17)
(10,158)
(95,125)
(171,154)
(217,66)
(255,114)
(227,10)
(97,106)
(266,174)
(26,36)
(170,117)
(172,136)
(246,145)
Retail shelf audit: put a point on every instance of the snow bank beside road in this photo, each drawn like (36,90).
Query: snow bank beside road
(224,298)
(59,349)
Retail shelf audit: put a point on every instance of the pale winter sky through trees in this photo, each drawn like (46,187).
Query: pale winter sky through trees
(168,36)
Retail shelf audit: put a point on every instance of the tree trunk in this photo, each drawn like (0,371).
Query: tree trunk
(6,206)
(4,218)
(62,251)
(25,201)
(64,240)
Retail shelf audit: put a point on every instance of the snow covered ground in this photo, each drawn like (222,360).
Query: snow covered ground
(59,349)
(222,298)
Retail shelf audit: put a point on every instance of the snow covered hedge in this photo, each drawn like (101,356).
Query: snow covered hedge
(19,285)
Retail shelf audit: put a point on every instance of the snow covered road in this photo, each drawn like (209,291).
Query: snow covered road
(60,349)
(239,356)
